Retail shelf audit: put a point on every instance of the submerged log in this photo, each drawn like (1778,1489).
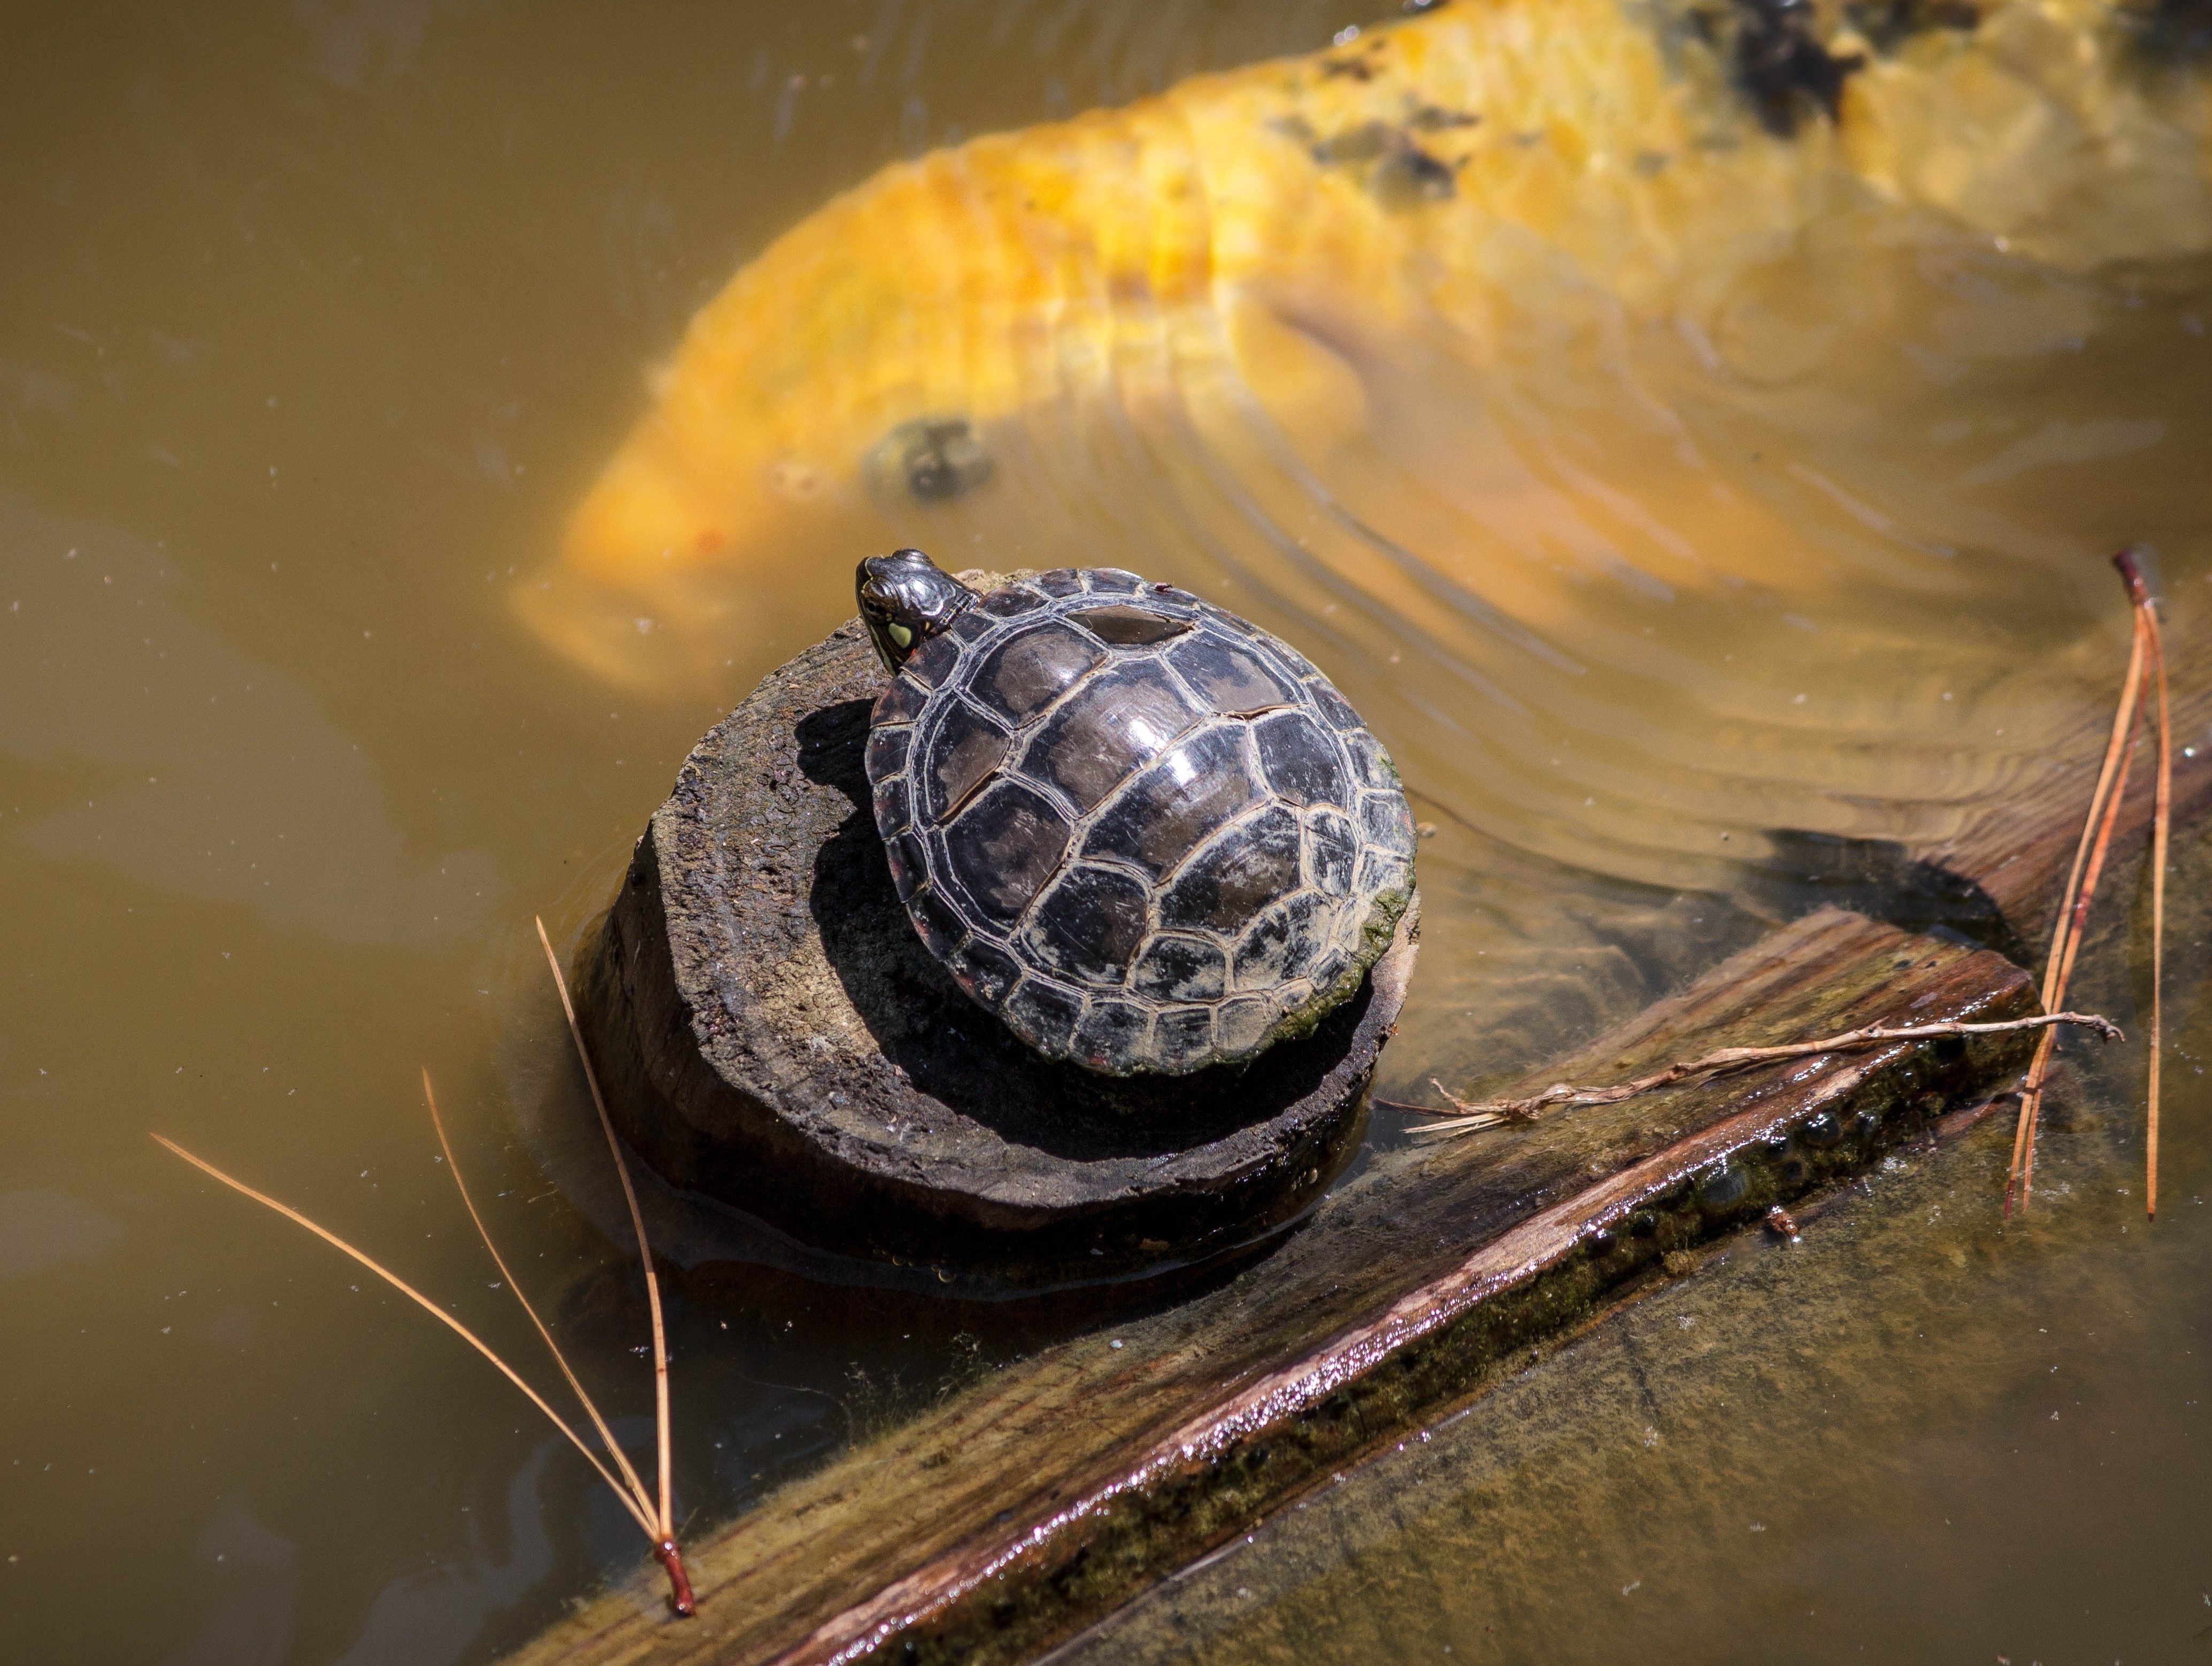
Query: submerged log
(1012,1515)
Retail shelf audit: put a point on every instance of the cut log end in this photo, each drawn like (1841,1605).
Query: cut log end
(774,1036)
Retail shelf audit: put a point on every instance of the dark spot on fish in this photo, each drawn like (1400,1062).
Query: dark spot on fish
(934,457)
(1296,128)
(1783,68)
(1412,177)
(1433,118)
(2167,31)
(1890,23)
(1357,68)
(1363,143)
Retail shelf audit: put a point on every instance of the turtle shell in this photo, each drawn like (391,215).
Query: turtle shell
(1147,835)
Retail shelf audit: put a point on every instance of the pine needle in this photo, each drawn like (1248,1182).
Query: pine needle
(2161,825)
(1467,1117)
(635,1505)
(2073,908)
(655,1515)
(666,1548)
(2104,804)
(637,1487)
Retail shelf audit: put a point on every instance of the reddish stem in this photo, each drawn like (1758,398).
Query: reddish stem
(2138,592)
(679,1584)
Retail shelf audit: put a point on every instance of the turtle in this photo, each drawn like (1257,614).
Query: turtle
(1147,835)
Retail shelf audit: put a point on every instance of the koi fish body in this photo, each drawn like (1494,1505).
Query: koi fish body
(1480,184)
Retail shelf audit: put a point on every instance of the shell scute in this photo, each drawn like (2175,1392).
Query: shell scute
(990,971)
(1381,875)
(1026,673)
(1371,762)
(1329,969)
(964,750)
(910,865)
(1241,1025)
(1115,723)
(1231,678)
(933,662)
(886,753)
(1242,872)
(1112,1035)
(972,625)
(1125,626)
(1282,943)
(937,922)
(1175,967)
(1043,1014)
(1301,761)
(1337,709)
(902,702)
(1005,846)
(1386,821)
(1183,1036)
(894,810)
(1333,844)
(1013,601)
(1198,785)
(1089,925)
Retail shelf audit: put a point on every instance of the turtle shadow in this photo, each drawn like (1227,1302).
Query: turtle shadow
(953,1051)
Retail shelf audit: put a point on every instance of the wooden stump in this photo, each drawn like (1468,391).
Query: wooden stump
(774,1034)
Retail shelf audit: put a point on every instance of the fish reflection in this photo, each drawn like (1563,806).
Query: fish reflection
(1417,248)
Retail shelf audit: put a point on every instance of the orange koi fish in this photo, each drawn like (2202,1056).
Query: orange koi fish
(1476,186)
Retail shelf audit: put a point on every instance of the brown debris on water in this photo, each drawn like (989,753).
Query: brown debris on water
(1469,1117)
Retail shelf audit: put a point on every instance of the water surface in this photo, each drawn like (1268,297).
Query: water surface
(315,322)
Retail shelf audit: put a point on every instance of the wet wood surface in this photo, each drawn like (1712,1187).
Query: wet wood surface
(1026,1507)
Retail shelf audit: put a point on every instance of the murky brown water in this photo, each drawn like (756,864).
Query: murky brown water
(317,320)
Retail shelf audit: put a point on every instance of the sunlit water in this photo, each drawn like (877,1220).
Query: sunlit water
(315,323)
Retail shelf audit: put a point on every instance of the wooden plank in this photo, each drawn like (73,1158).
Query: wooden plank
(1029,1505)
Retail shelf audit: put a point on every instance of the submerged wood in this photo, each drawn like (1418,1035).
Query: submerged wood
(1044,1496)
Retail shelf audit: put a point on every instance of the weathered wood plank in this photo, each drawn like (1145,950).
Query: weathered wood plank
(1032,1503)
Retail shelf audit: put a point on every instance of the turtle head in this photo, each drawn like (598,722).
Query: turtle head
(905,600)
